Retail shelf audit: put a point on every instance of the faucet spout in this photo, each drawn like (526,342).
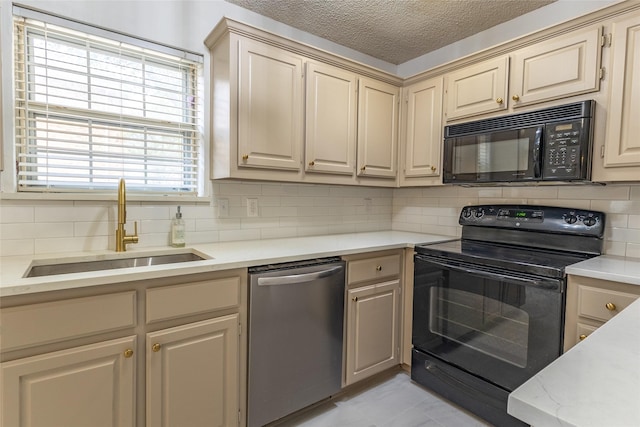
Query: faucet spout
(122,238)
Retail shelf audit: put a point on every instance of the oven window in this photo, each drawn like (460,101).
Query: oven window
(489,323)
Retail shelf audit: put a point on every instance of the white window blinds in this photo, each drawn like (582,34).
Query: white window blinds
(90,110)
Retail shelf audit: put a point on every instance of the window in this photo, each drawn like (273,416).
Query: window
(90,110)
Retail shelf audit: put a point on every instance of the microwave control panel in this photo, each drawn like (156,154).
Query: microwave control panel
(566,149)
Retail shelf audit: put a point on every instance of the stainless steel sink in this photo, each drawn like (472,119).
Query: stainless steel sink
(110,264)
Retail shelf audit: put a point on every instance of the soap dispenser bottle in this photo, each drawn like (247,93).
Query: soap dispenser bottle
(177,230)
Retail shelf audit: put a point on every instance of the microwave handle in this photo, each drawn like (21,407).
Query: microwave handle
(537,159)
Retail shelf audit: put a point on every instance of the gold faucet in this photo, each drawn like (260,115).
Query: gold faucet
(122,239)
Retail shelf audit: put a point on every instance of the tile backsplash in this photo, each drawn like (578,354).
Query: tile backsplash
(436,210)
(32,227)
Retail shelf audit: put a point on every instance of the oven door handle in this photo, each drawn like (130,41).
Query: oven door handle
(553,284)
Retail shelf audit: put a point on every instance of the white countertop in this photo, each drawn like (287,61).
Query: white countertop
(222,256)
(597,382)
(606,267)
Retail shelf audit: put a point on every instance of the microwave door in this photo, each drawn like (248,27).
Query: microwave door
(499,156)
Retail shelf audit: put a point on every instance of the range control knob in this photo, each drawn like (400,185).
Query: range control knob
(589,221)
(570,219)
(479,213)
(466,213)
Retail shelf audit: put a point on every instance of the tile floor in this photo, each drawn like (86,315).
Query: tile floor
(392,400)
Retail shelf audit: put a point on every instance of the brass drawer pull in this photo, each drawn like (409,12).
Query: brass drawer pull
(610,306)
(499,101)
(515,98)
(378,268)
(245,157)
(156,347)
(581,337)
(128,353)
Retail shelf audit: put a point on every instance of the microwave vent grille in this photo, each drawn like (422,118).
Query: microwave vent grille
(562,112)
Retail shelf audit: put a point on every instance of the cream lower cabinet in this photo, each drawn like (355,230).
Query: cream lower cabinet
(90,385)
(591,303)
(622,146)
(192,374)
(372,316)
(421,139)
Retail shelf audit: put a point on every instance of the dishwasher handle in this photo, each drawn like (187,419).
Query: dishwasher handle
(297,278)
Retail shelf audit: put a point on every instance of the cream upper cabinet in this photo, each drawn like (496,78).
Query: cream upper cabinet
(557,68)
(90,385)
(622,144)
(377,128)
(477,89)
(422,132)
(330,118)
(192,374)
(563,66)
(270,107)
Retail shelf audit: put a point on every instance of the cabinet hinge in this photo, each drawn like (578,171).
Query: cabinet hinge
(605,40)
(602,151)
(602,71)
(240,329)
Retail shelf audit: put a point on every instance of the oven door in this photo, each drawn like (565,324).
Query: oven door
(498,156)
(498,325)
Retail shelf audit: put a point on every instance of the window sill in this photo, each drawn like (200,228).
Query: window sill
(131,197)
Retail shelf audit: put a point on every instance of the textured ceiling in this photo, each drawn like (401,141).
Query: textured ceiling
(394,31)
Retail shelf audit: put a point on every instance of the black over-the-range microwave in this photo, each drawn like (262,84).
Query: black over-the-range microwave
(553,144)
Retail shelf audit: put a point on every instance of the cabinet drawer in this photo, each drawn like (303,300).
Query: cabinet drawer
(373,268)
(186,299)
(36,324)
(602,304)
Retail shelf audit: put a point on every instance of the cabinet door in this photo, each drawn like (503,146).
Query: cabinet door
(270,107)
(192,374)
(372,330)
(84,386)
(564,66)
(477,89)
(377,128)
(330,140)
(424,128)
(623,127)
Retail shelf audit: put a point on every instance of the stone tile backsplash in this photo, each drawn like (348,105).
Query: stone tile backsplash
(31,227)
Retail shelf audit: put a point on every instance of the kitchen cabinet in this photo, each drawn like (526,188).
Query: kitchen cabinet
(563,66)
(330,118)
(378,104)
(421,139)
(270,107)
(192,374)
(155,352)
(622,145)
(592,302)
(90,385)
(372,315)
(277,103)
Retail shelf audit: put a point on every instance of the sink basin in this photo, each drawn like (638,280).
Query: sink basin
(110,264)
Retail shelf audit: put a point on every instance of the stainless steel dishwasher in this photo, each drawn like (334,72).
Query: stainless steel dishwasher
(296,313)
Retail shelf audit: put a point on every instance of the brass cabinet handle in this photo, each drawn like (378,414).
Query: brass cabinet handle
(515,98)
(354,299)
(610,306)
(581,337)
(312,163)
(245,157)
(128,353)
(433,168)
(156,347)
(499,100)
(378,268)
(363,168)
